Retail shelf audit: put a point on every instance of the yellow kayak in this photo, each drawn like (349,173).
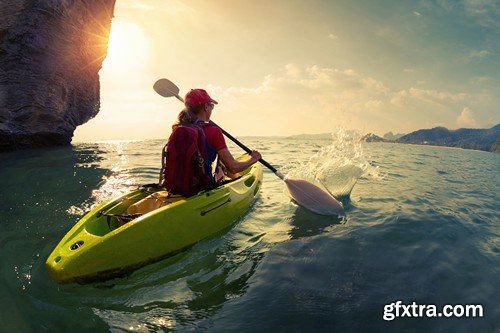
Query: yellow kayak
(122,235)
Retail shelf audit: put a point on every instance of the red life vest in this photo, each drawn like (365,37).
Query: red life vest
(186,161)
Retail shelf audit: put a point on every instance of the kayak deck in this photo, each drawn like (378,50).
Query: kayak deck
(103,244)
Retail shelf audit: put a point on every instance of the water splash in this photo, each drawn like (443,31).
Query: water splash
(24,273)
(78,211)
(338,166)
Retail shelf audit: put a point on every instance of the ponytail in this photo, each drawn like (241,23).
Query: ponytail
(187,116)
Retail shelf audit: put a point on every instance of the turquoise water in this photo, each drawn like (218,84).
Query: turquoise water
(421,225)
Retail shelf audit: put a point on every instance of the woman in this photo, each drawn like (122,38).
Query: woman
(198,109)
(180,180)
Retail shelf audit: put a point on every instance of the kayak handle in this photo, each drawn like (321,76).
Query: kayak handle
(204,212)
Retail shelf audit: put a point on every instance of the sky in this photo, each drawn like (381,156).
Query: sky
(289,67)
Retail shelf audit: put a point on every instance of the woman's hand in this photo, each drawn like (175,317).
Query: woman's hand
(255,156)
(235,166)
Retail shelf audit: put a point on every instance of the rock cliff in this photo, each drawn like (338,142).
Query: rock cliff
(50,55)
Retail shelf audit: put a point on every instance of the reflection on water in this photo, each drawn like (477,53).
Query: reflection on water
(186,288)
(307,224)
(127,164)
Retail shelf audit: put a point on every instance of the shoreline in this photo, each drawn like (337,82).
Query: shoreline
(434,146)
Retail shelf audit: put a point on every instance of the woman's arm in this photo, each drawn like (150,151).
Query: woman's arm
(235,166)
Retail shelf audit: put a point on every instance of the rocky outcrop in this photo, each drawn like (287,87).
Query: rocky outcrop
(391,136)
(370,137)
(50,55)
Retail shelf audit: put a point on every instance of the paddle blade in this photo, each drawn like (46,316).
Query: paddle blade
(166,88)
(313,198)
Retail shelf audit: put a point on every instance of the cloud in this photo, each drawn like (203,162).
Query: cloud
(299,97)
(322,83)
(417,14)
(332,88)
(333,37)
(484,13)
(320,98)
(431,97)
(293,70)
(466,118)
(479,54)
(409,70)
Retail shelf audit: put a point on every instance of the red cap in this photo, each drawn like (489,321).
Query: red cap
(197,97)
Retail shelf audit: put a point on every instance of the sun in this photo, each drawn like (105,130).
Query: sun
(128,48)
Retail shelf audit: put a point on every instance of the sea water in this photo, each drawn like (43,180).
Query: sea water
(421,225)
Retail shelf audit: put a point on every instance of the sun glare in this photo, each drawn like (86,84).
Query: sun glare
(128,48)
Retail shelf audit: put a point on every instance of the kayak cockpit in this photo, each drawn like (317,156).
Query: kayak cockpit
(115,214)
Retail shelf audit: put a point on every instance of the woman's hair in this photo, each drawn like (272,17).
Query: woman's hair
(188,115)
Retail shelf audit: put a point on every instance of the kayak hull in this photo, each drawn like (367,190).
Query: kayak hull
(92,250)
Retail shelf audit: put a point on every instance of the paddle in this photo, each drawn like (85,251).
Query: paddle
(302,192)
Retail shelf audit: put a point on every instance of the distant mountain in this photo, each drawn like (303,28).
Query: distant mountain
(480,139)
(391,136)
(467,138)
(370,137)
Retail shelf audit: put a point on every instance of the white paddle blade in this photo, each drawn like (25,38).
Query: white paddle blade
(313,198)
(166,88)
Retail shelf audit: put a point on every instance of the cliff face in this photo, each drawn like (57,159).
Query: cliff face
(50,55)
